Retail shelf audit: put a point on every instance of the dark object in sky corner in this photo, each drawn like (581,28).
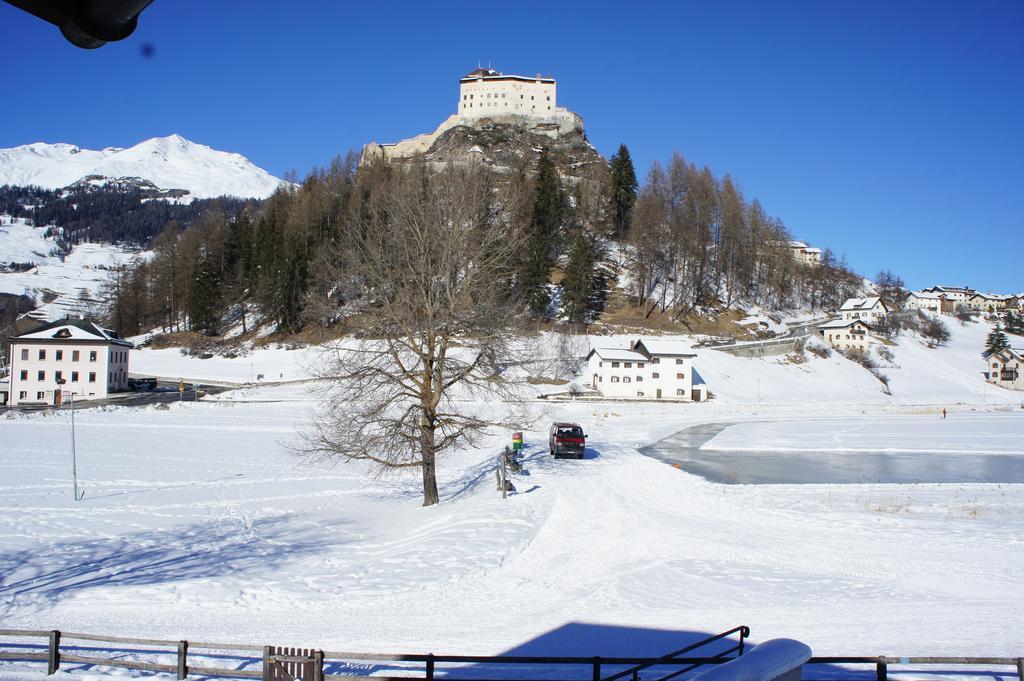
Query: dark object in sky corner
(88,23)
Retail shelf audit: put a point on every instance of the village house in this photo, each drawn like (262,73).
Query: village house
(872,310)
(987,303)
(957,295)
(927,302)
(846,334)
(804,254)
(658,369)
(68,356)
(1005,368)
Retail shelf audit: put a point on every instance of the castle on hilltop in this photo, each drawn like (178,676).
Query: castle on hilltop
(487,96)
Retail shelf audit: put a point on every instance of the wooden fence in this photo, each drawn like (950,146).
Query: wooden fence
(273,663)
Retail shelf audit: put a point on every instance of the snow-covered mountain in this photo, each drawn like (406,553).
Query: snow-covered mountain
(168,162)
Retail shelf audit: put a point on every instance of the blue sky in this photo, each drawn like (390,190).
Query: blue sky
(890,132)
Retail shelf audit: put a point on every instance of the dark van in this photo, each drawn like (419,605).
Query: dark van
(567,440)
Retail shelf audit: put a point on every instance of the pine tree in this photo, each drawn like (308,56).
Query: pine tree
(624,189)
(996,341)
(579,275)
(542,242)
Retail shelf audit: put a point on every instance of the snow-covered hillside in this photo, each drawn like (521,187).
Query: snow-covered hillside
(61,286)
(171,162)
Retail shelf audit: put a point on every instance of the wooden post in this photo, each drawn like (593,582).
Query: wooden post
(597,668)
(430,666)
(318,665)
(882,669)
(267,676)
(182,659)
(53,661)
(1020,668)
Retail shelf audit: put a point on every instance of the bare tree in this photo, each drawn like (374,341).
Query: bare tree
(435,325)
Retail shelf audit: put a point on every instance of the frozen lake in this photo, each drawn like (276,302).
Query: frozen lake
(744,463)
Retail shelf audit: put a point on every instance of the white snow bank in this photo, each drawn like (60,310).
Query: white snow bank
(767,661)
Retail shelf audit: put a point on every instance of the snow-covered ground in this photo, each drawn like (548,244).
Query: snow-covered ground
(200,522)
(72,284)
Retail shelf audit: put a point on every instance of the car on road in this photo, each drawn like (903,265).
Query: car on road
(567,440)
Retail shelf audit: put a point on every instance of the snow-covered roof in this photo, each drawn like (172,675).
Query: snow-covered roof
(860,303)
(926,295)
(618,355)
(797,244)
(813,250)
(842,323)
(658,346)
(73,330)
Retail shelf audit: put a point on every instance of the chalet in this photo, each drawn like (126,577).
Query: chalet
(846,334)
(872,310)
(649,368)
(1006,368)
(69,356)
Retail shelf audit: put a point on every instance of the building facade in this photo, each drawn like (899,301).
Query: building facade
(650,369)
(846,334)
(927,302)
(872,310)
(1006,368)
(69,356)
(804,254)
(486,92)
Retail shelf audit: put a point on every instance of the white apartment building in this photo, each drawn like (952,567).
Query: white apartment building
(1006,368)
(846,334)
(90,360)
(871,310)
(657,369)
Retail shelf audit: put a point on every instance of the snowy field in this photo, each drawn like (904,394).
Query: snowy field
(198,522)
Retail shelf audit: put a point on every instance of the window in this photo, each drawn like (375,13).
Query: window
(656,360)
(679,360)
(42,354)
(24,375)
(627,365)
(59,375)
(74,377)
(680,391)
(22,395)
(92,376)
(615,365)
(40,395)
(625,379)
(92,355)
(600,363)
(639,379)
(655,375)
(681,376)
(639,365)
(41,376)
(615,379)
(639,393)
(549,98)
(24,353)
(60,355)
(74,355)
